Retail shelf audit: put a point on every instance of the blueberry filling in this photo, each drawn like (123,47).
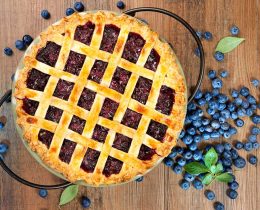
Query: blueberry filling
(45,137)
(86,99)
(100,133)
(166,100)
(122,142)
(90,160)
(63,89)
(109,39)
(157,130)
(74,63)
(131,119)
(142,90)
(53,114)
(146,153)
(77,124)
(153,60)
(112,166)
(84,33)
(49,54)
(120,79)
(37,80)
(30,106)
(67,150)
(97,71)
(133,47)
(108,109)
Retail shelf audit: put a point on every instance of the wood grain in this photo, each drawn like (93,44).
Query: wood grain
(159,190)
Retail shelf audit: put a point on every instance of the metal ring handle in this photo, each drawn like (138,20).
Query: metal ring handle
(3,99)
(132,12)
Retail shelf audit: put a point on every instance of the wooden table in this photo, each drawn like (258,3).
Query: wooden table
(159,190)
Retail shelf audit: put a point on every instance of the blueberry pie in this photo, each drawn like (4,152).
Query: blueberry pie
(100,98)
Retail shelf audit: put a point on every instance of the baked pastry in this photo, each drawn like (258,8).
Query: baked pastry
(100,98)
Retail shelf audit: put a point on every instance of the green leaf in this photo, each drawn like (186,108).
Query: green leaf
(211,158)
(227,44)
(196,168)
(219,168)
(69,194)
(213,169)
(225,177)
(208,179)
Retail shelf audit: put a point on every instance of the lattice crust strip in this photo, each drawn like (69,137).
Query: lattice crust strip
(80,139)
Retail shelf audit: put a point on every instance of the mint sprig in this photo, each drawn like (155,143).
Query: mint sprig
(211,169)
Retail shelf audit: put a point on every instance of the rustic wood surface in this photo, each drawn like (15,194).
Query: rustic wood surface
(159,190)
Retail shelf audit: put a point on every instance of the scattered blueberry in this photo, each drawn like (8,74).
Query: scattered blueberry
(255,82)
(252,159)
(219,56)
(177,168)
(252,138)
(234,93)
(256,119)
(248,146)
(19,44)
(210,195)
(69,11)
(45,14)
(212,74)
(234,30)
(185,184)
(224,74)
(244,91)
(85,202)
(240,162)
(208,35)
(3,148)
(239,145)
(197,184)
(8,51)
(255,130)
(27,39)
(239,122)
(120,5)
(139,179)
(188,177)
(199,34)
(233,185)
(232,194)
(217,83)
(43,193)
(219,206)
(255,145)
(79,6)
(181,161)
(168,162)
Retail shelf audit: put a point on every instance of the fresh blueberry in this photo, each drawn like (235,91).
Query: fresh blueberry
(43,193)
(214,134)
(139,179)
(202,102)
(234,93)
(249,112)
(225,126)
(191,131)
(255,145)
(187,154)
(221,131)
(188,177)
(197,138)
(208,35)
(215,92)
(216,116)
(208,128)
(227,154)
(19,44)
(85,202)
(210,195)
(224,74)
(206,135)
(255,130)
(173,153)
(238,101)
(217,83)
(232,194)
(213,104)
(201,129)
(241,112)
(191,106)
(205,121)
(8,51)
(182,134)
(211,111)
(244,91)
(225,113)
(215,124)
(222,98)
(252,159)
(239,145)
(245,104)
(255,82)
(234,115)
(197,155)
(208,96)
(240,162)
(221,106)
(227,146)
(45,14)
(187,139)
(199,34)
(254,107)
(227,134)
(120,5)
(232,131)
(179,150)
(234,154)
(219,148)
(219,206)
(3,148)
(197,123)
(69,11)
(79,6)
(248,146)
(256,119)
(193,146)
(252,138)
(251,99)
(198,94)
(197,52)
(168,162)
(234,30)
(212,74)
(177,168)
(27,39)
(239,122)
(184,184)
(227,162)
(219,56)
(233,185)
(197,184)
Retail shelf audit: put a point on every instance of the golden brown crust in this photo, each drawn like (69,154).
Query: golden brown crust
(168,73)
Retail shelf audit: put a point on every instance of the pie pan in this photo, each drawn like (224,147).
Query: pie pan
(35,155)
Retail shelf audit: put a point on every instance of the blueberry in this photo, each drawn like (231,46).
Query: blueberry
(187,139)
(234,93)
(221,106)
(240,162)
(197,184)
(227,135)
(2,125)
(43,193)
(184,184)
(239,122)
(216,115)
(224,74)
(19,44)
(251,99)
(210,195)
(197,138)
(79,6)
(227,146)
(173,153)
(234,154)
(248,146)
(139,179)
(233,185)
(238,101)
(188,177)
(191,131)
(215,92)
(232,130)
(207,35)
(255,82)
(227,154)
(212,74)
(202,102)
(252,159)
(249,112)
(227,162)
(197,123)
(179,150)
(197,155)
(191,106)
(45,14)
(241,112)
(85,202)
(245,104)
(120,5)
(234,115)
(221,131)
(219,56)
(198,94)
(69,11)
(222,98)
(255,130)
(252,138)
(199,34)
(177,168)
(208,96)
(217,83)
(215,124)
(205,121)
(215,134)
(168,162)
(234,30)
(201,129)
(232,194)
(8,51)
(206,136)
(256,119)
(181,161)
(213,104)
(210,111)
(255,145)
(3,148)
(182,134)
(219,206)
(219,148)
(225,126)
(244,91)
(27,39)
(197,52)
(187,154)
(209,129)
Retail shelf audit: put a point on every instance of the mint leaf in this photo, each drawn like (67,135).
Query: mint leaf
(208,179)
(227,44)
(196,168)
(211,158)
(219,168)
(69,194)
(213,169)
(225,177)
